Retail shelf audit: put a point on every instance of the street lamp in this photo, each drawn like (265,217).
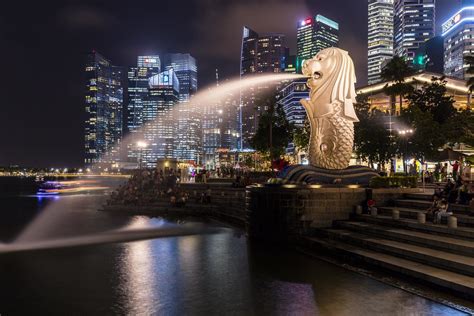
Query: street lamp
(405,133)
(141,145)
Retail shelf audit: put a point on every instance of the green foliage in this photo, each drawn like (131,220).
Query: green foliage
(394,182)
(460,128)
(397,70)
(274,132)
(428,112)
(371,138)
(469,60)
(301,135)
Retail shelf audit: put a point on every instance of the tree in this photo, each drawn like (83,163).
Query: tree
(460,128)
(372,139)
(274,132)
(396,71)
(428,115)
(301,135)
(469,60)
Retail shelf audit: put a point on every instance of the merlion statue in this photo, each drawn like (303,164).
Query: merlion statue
(330,108)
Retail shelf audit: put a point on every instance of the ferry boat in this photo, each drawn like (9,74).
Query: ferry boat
(67,187)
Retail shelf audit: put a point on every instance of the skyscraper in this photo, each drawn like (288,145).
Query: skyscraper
(326,33)
(104,108)
(380,39)
(260,54)
(159,129)
(458,33)
(290,97)
(314,35)
(140,107)
(138,88)
(430,56)
(188,116)
(271,53)
(414,24)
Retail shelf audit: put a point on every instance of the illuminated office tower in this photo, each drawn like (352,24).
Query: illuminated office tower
(188,115)
(259,54)
(290,98)
(326,33)
(380,39)
(138,92)
(458,33)
(414,24)
(104,108)
(220,127)
(147,67)
(314,35)
(159,128)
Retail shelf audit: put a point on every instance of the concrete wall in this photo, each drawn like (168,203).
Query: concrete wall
(282,212)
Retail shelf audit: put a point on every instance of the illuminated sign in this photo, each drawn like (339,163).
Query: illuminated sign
(150,60)
(457,18)
(463,15)
(306,22)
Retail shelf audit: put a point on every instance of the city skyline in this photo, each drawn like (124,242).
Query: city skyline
(73,30)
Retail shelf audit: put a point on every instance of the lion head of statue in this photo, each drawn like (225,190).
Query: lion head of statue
(332,78)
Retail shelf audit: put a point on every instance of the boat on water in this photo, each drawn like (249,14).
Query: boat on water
(68,187)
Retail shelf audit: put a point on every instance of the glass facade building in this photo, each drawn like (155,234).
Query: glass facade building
(104,110)
(380,37)
(188,116)
(414,24)
(458,33)
(159,128)
(314,35)
(290,97)
(138,111)
(260,54)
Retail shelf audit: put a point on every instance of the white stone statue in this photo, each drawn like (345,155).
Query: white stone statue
(330,108)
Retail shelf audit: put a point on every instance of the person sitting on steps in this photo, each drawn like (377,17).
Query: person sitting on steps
(442,211)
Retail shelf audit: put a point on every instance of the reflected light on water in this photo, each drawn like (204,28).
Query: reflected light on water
(139,284)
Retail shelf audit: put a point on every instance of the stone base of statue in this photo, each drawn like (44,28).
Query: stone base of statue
(301,174)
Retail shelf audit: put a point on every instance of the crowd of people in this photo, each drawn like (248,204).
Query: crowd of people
(459,192)
(146,187)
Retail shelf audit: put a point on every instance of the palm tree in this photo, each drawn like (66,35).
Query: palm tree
(469,60)
(396,71)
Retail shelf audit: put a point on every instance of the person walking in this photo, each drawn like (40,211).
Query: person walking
(444,172)
(455,170)
(437,172)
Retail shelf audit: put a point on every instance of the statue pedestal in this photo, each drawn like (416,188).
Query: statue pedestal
(301,174)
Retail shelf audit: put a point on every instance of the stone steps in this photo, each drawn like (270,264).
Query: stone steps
(462,284)
(437,258)
(463,219)
(447,244)
(466,233)
(424,204)
(418,196)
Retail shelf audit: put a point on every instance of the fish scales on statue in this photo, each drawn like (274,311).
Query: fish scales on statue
(330,108)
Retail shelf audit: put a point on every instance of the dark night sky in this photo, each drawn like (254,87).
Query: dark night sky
(44,42)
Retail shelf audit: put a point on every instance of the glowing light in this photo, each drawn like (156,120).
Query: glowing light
(142,144)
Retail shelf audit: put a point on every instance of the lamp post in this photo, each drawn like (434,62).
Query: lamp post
(405,134)
(141,145)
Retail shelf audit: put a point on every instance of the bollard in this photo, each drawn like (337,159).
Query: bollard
(421,218)
(373,211)
(452,222)
(194,192)
(359,209)
(222,193)
(396,214)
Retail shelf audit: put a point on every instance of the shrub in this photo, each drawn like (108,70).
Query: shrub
(394,182)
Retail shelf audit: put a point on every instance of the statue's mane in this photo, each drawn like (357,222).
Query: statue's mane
(341,81)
